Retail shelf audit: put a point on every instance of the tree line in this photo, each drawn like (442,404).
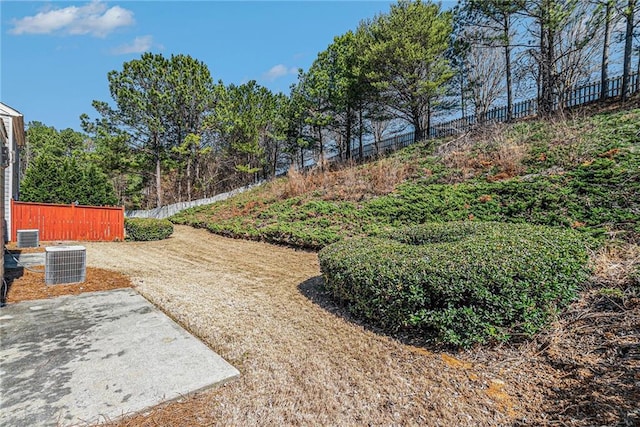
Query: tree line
(170,133)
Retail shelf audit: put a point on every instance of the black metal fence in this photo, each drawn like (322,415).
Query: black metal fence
(581,95)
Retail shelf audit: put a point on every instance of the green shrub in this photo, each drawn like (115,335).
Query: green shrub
(145,229)
(305,234)
(458,283)
(50,179)
(596,197)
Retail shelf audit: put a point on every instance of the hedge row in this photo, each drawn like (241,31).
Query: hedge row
(146,229)
(458,283)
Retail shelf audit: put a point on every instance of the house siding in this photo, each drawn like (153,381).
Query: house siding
(8,175)
(11,173)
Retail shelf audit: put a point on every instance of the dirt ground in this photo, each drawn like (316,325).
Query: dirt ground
(303,361)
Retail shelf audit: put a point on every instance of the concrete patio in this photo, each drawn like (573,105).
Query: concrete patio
(78,360)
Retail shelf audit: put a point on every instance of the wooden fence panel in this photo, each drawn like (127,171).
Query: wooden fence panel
(68,222)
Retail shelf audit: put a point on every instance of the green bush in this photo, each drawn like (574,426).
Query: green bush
(50,179)
(458,283)
(597,197)
(145,229)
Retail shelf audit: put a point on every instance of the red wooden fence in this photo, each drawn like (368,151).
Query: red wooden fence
(68,222)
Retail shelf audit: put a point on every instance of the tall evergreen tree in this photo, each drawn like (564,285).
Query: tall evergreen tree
(405,59)
(60,167)
(247,119)
(158,102)
(312,95)
(336,82)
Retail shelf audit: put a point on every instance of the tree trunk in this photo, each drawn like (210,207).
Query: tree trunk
(197,179)
(348,135)
(507,59)
(604,67)
(628,44)
(274,165)
(189,160)
(158,183)
(545,104)
(360,146)
(158,172)
(320,142)
(301,159)
(417,130)
(463,106)
(428,125)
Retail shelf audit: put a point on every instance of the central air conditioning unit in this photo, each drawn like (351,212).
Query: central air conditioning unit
(28,238)
(65,264)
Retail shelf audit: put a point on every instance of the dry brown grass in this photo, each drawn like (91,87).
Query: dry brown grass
(498,156)
(296,184)
(500,151)
(386,174)
(349,182)
(591,361)
(587,365)
(615,264)
(303,361)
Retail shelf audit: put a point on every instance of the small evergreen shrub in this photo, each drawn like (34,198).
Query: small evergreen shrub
(458,283)
(146,229)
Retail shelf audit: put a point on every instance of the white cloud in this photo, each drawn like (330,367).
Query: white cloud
(278,71)
(93,18)
(138,45)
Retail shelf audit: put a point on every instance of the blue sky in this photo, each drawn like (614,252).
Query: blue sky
(55,55)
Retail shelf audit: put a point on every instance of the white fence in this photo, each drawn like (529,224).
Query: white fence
(169,210)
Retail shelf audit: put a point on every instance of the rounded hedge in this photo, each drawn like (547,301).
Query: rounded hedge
(458,283)
(146,229)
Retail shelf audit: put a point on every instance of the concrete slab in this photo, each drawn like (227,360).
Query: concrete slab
(86,358)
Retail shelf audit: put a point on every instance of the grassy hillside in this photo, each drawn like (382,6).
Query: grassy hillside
(581,173)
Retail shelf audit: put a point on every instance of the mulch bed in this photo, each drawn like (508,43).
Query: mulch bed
(595,349)
(585,367)
(28,284)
